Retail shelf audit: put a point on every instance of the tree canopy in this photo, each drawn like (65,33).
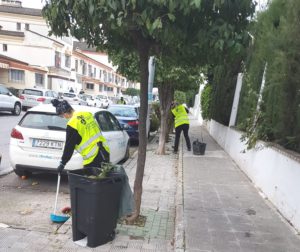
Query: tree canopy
(197,30)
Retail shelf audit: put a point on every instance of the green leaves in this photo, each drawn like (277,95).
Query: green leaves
(157,24)
(171,16)
(196,3)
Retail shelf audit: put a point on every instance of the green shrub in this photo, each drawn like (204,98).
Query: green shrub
(155,109)
(154,122)
(206,102)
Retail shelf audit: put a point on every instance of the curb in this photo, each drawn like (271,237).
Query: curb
(179,236)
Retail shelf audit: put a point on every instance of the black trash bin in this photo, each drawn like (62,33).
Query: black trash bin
(199,147)
(95,205)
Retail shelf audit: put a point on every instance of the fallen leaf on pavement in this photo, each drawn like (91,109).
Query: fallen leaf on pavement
(25,212)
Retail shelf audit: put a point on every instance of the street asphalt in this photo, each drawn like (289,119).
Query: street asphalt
(189,203)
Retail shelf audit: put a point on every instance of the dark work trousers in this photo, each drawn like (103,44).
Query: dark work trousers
(185,129)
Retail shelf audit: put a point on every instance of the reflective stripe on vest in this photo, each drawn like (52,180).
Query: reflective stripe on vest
(88,142)
(93,152)
(88,128)
(181,116)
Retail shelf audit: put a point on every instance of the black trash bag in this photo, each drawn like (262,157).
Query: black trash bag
(199,147)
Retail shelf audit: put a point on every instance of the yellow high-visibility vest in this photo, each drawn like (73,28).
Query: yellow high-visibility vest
(181,116)
(121,102)
(88,128)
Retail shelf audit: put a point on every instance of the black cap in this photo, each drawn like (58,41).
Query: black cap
(61,106)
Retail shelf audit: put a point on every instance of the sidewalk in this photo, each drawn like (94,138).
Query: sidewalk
(190,203)
(158,209)
(222,210)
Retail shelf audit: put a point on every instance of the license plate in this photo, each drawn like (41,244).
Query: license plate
(43,143)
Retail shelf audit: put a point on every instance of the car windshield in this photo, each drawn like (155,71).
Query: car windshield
(86,97)
(101,97)
(69,95)
(43,121)
(32,92)
(123,111)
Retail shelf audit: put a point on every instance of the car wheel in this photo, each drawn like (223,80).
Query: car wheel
(17,109)
(127,154)
(21,173)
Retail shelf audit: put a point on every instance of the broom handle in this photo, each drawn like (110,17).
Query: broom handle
(57,190)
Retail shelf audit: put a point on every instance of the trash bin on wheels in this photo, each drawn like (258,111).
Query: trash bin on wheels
(95,205)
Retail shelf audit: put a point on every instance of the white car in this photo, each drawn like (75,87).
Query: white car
(37,142)
(91,101)
(104,100)
(74,99)
(9,102)
(31,97)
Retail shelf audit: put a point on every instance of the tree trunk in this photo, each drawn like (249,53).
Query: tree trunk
(138,182)
(166,94)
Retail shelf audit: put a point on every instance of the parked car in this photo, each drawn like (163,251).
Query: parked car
(74,99)
(128,116)
(9,102)
(32,97)
(37,142)
(104,100)
(92,101)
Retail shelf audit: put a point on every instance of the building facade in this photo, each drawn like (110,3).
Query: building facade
(50,62)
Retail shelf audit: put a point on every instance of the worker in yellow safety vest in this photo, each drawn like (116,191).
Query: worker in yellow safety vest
(83,135)
(121,101)
(180,113)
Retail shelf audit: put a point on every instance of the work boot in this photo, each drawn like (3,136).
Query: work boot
(189,149)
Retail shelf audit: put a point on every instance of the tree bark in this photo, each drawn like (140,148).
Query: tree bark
(143,50)
(166,94)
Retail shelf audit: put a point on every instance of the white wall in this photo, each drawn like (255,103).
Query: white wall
(40,56)
(275,172)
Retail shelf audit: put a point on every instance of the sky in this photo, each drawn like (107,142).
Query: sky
(37,4)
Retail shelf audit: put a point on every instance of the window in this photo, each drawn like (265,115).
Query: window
(101,88)
(79,79)
(26,26)
(32,92)
(94,72)
(102,120)
(3,90)
(90,71)
(105,76)
(57,59)
(4,47)
(84,66)
(18,26)
(76,65)
(100,72)
(67,61)
(16,76)
(89,86)
(44,121)
(39,79)
(114,124)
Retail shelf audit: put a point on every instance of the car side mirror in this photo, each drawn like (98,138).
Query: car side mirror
(9,94)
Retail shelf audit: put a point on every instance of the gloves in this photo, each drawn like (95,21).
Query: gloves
(60,167)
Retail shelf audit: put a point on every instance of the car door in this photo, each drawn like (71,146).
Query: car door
(113,134)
